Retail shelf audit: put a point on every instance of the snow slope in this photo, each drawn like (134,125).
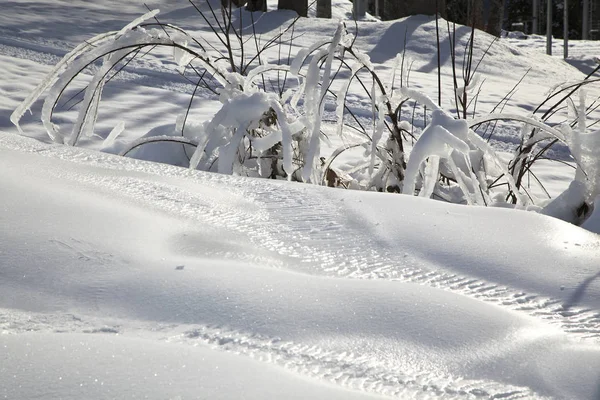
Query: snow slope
(122,278)
(443,303)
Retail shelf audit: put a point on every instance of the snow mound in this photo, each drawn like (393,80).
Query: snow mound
(388,294)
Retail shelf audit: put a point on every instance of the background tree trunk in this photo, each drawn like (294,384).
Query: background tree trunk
(300,6)
(257,5)
(237,3)
(373,8)
(323,8)
(475,14)
(394,9)
(466,12)
(495,17)
(391,9)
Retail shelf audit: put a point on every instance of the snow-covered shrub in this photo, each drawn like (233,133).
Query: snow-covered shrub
(257,131)
(277,131)
(576,203)
(251,123)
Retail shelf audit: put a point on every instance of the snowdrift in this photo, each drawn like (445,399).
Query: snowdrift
(155,265)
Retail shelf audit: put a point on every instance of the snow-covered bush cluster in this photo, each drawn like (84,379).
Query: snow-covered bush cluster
(277,132)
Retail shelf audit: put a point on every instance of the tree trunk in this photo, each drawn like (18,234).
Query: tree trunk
(237,3)
(300,6)
(475,14)
(394,9)
(257,5)
(391,9)
(466,12)
(495,17)
(323,8)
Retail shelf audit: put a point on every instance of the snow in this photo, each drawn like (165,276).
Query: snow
(128,278)
(111,366)
(280,300)
(441,139)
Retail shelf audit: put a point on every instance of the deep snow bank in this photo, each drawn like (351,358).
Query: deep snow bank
(448,301)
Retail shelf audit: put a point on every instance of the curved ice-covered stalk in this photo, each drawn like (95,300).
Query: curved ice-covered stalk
(261,69)
(576,203)
(286,138)
(430,176)
(156,139)
(53,75)
(317,105)
(341,98)
(304,53)
(88,112)
(136,22)
(436,140)
(557,134)
(131,41)
(452,141)
(419,97)
(379,124)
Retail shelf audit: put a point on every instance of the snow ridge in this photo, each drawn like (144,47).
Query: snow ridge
(349,370)
(343,368)
(313,221)
(310,228)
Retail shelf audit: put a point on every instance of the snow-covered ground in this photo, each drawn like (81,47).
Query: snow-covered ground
(122,278)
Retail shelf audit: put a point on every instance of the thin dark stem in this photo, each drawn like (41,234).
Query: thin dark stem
(437,36)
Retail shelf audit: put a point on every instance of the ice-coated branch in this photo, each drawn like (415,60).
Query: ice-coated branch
(156,139)
(53,75)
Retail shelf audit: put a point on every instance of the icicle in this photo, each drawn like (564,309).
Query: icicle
(311,103)
(197,156)
(397,62)
(430,176)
